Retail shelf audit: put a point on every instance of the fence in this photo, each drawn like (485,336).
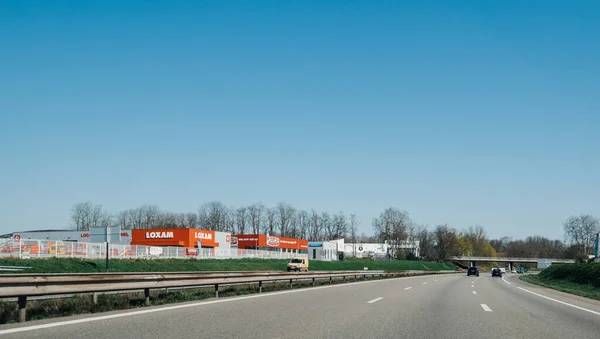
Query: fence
(28,249)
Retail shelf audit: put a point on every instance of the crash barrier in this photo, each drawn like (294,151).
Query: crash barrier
(22,286)
(29,249)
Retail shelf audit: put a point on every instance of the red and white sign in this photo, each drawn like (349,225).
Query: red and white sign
(228,238)
(203,235)
(159,235)
(191,252)
(84,235)
(272,241)
(17,237)
(234,241)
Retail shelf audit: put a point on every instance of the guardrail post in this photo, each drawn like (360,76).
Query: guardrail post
(330,279)
(147,296)
(313,282)
(260,287)
(344,278)
(216,290)
(22,308)
(291,286)
(95,298)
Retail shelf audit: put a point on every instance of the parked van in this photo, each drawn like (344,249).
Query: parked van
(298,264)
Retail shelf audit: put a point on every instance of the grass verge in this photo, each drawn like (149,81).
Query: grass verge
(83,304)
(67,265)
(577,279)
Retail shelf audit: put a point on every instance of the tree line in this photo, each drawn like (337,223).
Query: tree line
(282,220)
(393,226)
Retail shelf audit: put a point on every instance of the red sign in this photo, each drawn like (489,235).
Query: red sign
(84,235)
(234,241)
(124,234)
(272,241)
(17,237)
(191,251)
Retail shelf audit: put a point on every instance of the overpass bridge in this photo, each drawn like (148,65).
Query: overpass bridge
(541,262)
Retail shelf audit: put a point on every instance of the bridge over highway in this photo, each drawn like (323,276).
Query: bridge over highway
(512,261)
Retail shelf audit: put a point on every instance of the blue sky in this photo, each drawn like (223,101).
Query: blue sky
(466,113)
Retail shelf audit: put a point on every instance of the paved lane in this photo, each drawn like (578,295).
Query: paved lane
(445,307)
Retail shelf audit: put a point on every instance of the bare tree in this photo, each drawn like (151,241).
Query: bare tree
(255,214)
(271,221)
(191,220)
(85,216)
(353,229)
(303,224)
(240,218)
(391,227)
(446,242)
(315,226)
(327,228)
(122,219)
(230,218)
(426,243)
(478,238)
(340,226)
(285,213)
(581,230)
(212,216)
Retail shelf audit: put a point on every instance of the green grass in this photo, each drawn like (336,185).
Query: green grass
(66,265)
(578,279)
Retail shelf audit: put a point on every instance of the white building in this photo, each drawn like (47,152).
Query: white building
(368,250)
(323,250)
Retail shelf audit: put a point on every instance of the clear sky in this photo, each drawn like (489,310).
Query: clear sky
(468,112)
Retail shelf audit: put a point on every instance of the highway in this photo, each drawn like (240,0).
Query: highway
(454,306)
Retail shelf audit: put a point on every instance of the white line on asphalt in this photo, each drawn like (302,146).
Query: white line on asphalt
(374,300)
(486,308)
(560,302)
(425,283)
(407,288)
(506,281)
(175,307)
(472,286)
(474,292)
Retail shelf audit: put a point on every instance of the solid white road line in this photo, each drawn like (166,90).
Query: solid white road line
(175,307)
(425,283)
(474,292)
(486,308)
(374,300)
(560,302)
(407,288)
(506,281)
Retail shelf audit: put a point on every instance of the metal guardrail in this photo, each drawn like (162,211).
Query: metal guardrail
(23,286)
(503,259)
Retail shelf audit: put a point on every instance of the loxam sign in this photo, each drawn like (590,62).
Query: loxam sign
(159,235)
(203,235)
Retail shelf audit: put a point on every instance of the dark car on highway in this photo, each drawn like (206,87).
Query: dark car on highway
(496,272)
(473,271)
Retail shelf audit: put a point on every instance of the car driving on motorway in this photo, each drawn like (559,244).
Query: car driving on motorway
(473,271)
(496,272)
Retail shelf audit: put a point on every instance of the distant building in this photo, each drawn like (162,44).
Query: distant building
(270,243)
(369,250)
(123,236)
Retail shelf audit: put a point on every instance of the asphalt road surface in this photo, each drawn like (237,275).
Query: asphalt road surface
(454,306)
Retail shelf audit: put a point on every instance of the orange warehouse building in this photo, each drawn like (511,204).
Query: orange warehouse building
(181,237)
(273,243)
